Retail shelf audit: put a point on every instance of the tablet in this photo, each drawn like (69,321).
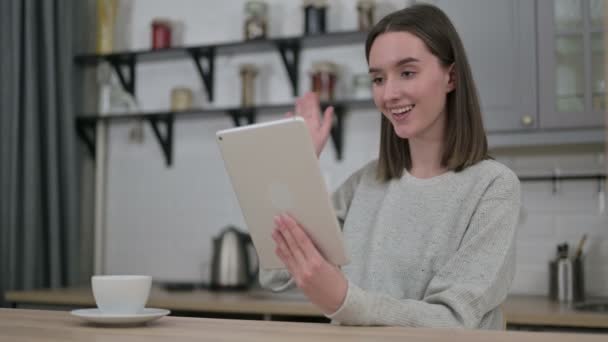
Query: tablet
(273,169)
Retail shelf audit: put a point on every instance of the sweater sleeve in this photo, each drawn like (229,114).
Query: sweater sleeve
(281,280)
(343,196)
(472,283)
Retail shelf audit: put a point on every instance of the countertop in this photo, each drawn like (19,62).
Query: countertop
(33,325)
(539,310)
(517,309)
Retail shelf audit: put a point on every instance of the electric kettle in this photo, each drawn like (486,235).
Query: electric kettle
(234,264)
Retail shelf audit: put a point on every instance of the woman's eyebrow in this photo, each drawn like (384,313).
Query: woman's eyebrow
(401,62)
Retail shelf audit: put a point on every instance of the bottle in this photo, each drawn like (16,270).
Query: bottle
(256,20)
(564,275)
(248,74)
(106,18)
(365,9)
(181,99)
(362,87)
(315,16)
(161,34)
(324,76)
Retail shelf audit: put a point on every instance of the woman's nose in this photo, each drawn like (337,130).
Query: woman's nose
(391,91)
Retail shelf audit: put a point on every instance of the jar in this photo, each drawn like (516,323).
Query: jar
(181,99)
(256,20)
(362,87)
(314,16)
(106,20)
(365,9)
(161,34)
(324,76)
(248,74)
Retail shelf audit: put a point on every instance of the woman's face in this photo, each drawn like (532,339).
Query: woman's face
(410,85)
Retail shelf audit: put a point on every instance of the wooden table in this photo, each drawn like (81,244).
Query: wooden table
(254,302)
(531,311)
(33,325)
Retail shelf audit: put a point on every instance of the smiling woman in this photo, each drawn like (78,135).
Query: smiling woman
(430,225)
(422,61)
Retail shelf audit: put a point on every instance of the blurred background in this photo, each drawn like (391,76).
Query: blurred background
(109,110)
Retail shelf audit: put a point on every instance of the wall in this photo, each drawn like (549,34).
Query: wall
(549,218)
(160,220)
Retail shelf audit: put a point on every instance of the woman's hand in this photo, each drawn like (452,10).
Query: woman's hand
(308,107)
(323,283)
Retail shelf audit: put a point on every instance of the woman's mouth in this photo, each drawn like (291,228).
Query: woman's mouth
(399,113)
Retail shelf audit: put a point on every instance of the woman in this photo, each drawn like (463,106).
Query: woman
(430,225)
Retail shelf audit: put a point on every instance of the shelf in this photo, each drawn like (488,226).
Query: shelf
(203,56)
(225,48)
(86,124)
(557,177)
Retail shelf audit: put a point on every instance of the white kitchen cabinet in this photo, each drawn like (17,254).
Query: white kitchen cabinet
(500,41)
(572,83)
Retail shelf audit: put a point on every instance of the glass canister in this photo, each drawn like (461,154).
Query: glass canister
(181,98)
(106,19)
(362,87)
(365,10)
(248,74)
(161,34)
(256,20)
(315,12)
(324,76)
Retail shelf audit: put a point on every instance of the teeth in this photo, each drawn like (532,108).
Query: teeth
(402,110)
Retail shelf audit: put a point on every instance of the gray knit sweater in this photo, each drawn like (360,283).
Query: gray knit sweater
(436,252)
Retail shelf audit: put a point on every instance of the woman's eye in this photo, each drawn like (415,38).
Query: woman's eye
(407,74)
(377,80)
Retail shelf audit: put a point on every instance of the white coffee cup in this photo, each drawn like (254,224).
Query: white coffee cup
(121,294)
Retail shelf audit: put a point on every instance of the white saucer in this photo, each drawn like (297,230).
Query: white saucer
(96,316)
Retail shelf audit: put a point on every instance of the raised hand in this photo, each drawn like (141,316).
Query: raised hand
(308,107)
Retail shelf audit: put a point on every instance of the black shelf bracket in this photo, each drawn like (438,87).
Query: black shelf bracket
(206,71)
(165,141)
(337,130)
(86,130)
(242,116)
(118,63)
(290,54)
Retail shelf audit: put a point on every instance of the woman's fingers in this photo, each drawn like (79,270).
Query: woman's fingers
(283,253)
(299,107)
(328,120)
(294,245)
(308,107)
(311,103)
(282,250)
(300,237)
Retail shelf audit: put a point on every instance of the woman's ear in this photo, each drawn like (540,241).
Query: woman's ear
(452,78)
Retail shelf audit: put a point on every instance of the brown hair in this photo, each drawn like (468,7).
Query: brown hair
(465,141)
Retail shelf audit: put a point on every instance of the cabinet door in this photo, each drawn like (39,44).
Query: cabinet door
(571,61)
(499,38)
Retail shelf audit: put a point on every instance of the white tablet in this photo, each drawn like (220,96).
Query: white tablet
(274,169)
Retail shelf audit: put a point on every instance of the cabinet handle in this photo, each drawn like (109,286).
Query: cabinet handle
(527,120)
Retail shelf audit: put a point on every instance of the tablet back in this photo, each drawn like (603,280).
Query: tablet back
(274,169)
